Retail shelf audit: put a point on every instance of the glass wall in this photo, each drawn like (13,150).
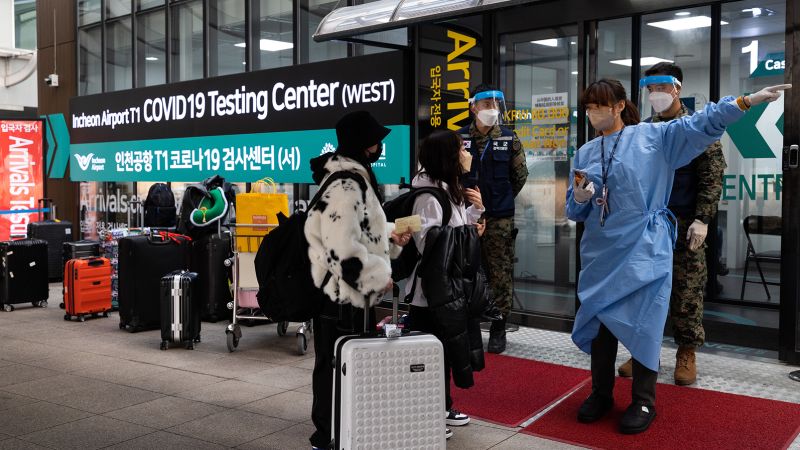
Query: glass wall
(541,88)
(227,33)
(119,55)
(275,40)
(25,24)
(186,57)
(682,37)
(90,60)
(151,48)
(614,44)
(753,56)
(322,51)
(89,12)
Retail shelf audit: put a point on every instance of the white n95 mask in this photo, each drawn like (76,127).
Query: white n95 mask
(488,117)
(661,101)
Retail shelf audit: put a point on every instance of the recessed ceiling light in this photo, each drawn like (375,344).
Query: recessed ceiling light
(645,61)
(683,13)
(574,72)
(546,42)
(685,23)
(573,42)
(269,45)
(151,58)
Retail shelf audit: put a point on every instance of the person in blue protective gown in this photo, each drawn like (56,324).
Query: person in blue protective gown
(619,189)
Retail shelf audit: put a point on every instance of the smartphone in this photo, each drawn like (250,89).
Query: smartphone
(580,177)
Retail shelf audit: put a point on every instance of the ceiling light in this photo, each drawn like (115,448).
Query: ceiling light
(755,11)
(574,72)
(685,23)
(573,42)
(683,13)
(546,42)
(269,45)
(645,61)
(151,58)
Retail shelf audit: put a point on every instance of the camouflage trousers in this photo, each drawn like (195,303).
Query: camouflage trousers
(689,276)
(497,248)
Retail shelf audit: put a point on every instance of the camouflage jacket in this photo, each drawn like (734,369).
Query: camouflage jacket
(708,169)
(519,169)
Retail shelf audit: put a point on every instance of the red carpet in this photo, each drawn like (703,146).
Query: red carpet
(511,390)
(687,419)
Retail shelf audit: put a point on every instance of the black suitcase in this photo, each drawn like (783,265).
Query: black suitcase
(23,273)
(81,250)
(180,313)
(55,234)
(210,260)
(143,261)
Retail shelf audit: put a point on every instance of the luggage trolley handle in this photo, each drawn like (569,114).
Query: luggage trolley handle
(136,205)
(43,204)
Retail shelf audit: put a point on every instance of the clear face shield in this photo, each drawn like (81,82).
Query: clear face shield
(489,107)
(658,93)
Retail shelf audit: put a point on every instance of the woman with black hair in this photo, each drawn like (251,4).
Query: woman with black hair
(443,160)
(619,189)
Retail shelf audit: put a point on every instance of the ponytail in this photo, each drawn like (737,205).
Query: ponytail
(630,115)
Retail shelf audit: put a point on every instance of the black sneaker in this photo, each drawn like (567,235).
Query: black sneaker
(637,418)
(456,418)
(448,433)
(594,408)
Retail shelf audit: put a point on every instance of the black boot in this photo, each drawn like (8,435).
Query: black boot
(497,337)
(637,418)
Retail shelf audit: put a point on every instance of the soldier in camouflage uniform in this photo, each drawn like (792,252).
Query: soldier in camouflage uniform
(500,174)
(695,195)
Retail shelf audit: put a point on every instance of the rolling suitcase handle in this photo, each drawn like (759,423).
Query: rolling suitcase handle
(43,203)
(391,330)
(136,205)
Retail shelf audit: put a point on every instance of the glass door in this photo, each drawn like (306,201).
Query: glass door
(539,75)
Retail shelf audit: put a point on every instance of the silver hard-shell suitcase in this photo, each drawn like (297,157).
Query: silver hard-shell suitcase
(180,313)
(389,391)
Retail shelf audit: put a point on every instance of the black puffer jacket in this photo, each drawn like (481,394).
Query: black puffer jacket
(457,293)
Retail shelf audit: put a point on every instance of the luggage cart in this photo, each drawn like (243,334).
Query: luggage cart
(245,285)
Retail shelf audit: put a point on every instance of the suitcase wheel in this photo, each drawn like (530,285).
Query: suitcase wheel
(189,345)
(67,317)
(282,327)
(197,339)
(105,314)
(302,343)
(82,319)
(8,307)
(61,305)
(164,345)
(122,325)
(233,342)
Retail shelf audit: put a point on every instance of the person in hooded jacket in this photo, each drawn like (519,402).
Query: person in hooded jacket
(350,246)
(443,160)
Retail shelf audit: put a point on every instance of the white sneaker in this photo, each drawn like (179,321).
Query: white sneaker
(456,418)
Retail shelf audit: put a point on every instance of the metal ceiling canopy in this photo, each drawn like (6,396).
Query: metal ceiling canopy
(382,15)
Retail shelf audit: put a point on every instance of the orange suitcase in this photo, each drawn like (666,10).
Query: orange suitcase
(87,287)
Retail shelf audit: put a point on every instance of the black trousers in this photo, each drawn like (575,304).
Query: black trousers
(604,355)
(422,319)
(333,322)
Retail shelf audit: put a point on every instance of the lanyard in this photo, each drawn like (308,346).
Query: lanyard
(607,170)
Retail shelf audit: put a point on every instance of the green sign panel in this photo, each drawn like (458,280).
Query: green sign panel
(773,64)
(283,156)
(57,136)
(759,134)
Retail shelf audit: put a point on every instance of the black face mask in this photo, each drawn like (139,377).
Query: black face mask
(374,157)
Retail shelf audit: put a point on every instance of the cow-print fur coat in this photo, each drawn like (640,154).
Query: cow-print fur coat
(349,238)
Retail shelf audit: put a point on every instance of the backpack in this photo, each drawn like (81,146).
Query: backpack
(403,206)
(286,291)
(159,206)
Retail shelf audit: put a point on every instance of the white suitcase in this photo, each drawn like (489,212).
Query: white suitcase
(389,392)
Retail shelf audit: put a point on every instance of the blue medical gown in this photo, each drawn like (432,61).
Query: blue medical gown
(626,266)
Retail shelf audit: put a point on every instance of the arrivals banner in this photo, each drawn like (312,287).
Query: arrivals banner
(21,175)
(243,127)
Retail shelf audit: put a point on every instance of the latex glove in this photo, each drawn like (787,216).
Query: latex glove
(768,94)
(697,234)
(582,194)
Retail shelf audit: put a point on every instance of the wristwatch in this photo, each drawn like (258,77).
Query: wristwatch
(703,218)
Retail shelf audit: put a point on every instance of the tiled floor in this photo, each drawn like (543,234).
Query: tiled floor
(90,385)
